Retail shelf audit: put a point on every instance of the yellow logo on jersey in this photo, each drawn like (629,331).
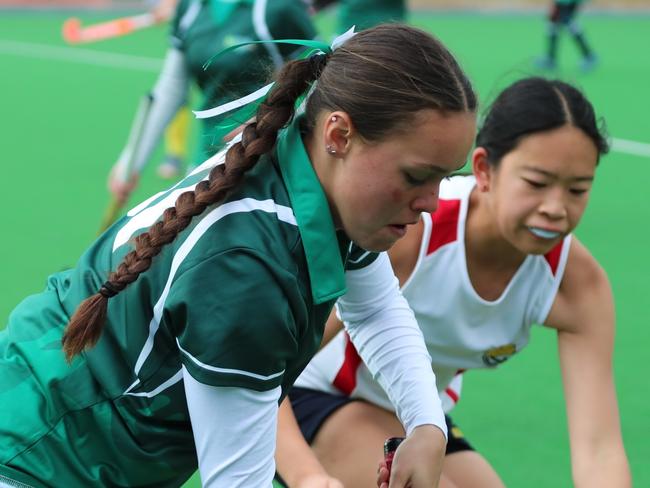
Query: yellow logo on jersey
(497,355)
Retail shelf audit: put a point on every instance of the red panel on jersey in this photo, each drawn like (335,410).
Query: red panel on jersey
(553,257)
(346,378)
(452,394)
(445,224)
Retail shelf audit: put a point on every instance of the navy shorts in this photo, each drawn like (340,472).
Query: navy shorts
(313,407)
(563,13)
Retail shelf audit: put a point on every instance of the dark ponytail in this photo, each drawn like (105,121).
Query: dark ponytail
(535,105)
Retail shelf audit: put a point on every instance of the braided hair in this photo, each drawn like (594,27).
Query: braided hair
(381,77)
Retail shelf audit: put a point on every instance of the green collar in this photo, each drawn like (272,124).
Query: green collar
(313,215)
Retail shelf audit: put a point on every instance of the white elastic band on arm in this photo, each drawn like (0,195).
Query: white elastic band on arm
(385,333)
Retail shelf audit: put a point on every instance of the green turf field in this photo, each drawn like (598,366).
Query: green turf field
(66,113)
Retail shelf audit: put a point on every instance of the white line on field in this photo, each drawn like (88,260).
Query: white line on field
(80,55)
(631,147)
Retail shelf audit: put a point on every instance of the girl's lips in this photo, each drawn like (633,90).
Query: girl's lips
(399,230)
(544,233)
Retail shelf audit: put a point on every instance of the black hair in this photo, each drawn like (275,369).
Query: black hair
(535,105)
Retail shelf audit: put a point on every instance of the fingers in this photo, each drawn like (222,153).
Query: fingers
(382,475)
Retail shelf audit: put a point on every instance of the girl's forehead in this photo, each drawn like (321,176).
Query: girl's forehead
(564,149)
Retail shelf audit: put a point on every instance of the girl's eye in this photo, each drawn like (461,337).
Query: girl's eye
(578,191)
(534,184)
(415,181)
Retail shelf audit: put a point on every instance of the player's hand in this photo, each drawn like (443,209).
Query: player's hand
(418,459)
(318,481)
(121,187)
(382,475)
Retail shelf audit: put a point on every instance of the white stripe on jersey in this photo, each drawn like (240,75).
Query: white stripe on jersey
(162,387)
(151,214)
(285,214)
(228,370)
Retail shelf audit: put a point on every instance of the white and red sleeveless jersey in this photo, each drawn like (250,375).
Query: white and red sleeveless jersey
(461,330)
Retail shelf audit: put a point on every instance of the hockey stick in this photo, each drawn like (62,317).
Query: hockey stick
(75,33)
(123,165)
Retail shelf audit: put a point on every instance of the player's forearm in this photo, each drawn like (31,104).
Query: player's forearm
(384,330)
(167,96)
(604,468)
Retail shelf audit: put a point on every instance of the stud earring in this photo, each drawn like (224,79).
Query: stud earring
(330,149)
(334,118)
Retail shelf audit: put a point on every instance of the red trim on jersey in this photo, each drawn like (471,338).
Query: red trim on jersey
(346,378)
(445,224)
(452,394)
(553,257)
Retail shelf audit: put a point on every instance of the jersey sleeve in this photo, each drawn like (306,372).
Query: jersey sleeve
(168,95)
(384,331)
(233,320)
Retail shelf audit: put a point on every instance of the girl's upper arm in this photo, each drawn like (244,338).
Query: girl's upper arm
(234,433)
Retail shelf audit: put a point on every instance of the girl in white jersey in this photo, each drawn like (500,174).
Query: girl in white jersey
(496,257)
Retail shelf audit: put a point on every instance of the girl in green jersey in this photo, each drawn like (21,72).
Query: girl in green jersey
(221,286)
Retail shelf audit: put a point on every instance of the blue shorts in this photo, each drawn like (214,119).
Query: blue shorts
(313,407)
(563,13)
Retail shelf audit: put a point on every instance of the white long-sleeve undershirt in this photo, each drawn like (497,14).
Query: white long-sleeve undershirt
(168,95)
(384,331)
(234,433)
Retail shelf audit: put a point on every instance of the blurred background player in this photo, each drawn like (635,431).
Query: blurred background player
(367,13)
(563,16)
(359,13)
(199,29)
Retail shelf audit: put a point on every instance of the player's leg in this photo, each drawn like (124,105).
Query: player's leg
(588,57)
(468,469)
(463,466)
(549,61)
(349,443)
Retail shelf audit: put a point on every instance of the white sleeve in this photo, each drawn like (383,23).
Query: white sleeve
(168,95)
(234,432)
(384,331)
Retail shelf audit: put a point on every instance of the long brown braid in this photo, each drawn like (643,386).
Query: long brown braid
(86,325)
(381,77)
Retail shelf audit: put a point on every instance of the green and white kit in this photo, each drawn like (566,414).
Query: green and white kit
(229,314)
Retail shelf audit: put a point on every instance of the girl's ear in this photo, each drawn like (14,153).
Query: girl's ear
(481,169)
(338,133)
